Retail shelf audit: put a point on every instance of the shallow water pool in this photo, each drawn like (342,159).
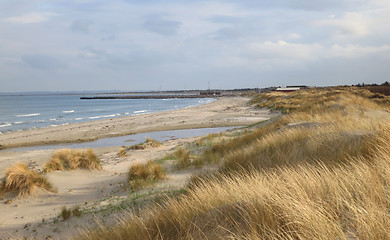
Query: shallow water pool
(128,140)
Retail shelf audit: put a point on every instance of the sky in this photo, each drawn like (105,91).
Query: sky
(85,45)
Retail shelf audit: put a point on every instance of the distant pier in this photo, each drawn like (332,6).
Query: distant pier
(157,96)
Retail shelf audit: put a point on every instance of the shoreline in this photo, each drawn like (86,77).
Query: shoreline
(64,111)
(223,112)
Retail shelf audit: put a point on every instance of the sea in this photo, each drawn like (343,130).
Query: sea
(27,111)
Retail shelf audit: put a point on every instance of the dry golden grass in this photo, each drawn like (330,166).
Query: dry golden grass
(321,172)
(316,99)
(122,152)
(184,159)
(140,175)
(22,181)
(291,146)
(67,159)
(149,143)
(333,124)
(304,202)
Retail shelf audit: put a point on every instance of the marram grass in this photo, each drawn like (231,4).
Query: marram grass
(301,202)
(140,175)
(321,172)
(67,159)
(23,181)
(149,143)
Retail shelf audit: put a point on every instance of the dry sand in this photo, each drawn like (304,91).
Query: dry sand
(98,191)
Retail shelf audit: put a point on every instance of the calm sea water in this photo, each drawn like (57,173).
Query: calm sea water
(36,111)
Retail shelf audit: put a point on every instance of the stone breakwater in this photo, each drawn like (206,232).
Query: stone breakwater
(149,97)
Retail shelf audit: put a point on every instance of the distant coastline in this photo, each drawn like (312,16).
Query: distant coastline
(24,112)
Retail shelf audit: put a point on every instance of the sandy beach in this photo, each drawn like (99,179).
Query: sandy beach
(226,111)
(37,216)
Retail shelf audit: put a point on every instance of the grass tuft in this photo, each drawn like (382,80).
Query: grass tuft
(67,159)
(66,213)
(122,152)
(149,143)
(140,175)
(21,180)
(184,159)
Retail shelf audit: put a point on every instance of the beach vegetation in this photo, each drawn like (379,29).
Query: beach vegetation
(65,213)
(149,143)
(207,140)
(67,159)
(23,181)
(184,159)
(199,141)
(68,212)
(122,152)
(319,172)
(141,175)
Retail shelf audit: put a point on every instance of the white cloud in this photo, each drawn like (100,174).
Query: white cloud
(294,36)
(31,18)
(357,51)
(303,52)
(286,51)
(283,56)
(351,24)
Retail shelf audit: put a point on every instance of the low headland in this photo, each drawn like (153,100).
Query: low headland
(311,164)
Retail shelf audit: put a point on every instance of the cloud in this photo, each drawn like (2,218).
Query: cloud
(81,26)
(240,42)
(318,4)
(286,51)
(351,24)
(225,19)
(43,62)
(108,38)
(31,18)
(161,25)
(136,59)
(284,56)
(298,51)
(307,5)
(356,51)
(294,36)
(227,34)
(91,53)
